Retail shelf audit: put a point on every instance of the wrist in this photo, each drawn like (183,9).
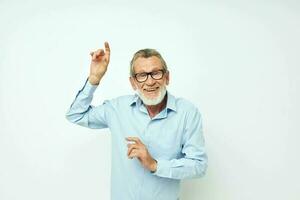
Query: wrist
(94,80)
(153,166)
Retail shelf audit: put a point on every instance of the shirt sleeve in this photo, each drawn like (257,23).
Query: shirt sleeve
(193,164)
(84,114)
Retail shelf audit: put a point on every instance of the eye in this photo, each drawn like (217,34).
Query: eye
(141,75)
(156,73)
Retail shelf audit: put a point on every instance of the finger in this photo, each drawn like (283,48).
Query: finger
(130,149)
(100,52)
(94,56)
(107,48)
(134,139)
(107,51)
(134,153)
(133,145)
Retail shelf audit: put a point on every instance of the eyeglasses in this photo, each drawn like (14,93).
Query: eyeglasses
(156,75)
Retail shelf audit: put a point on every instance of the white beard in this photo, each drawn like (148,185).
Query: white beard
(155,101)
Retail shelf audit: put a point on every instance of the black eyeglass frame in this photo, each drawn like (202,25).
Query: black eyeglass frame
(151,74)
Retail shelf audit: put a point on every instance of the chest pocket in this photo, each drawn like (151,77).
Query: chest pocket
(165,142)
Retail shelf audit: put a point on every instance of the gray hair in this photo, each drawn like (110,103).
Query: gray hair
(146,53)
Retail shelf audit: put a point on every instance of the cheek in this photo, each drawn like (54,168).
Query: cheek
(139,86)
(163,82)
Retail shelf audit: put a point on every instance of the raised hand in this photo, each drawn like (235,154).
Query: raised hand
(99,63)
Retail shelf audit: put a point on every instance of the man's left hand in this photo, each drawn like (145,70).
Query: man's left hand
(136,149)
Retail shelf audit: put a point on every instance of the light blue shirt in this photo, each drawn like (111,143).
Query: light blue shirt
(173,137)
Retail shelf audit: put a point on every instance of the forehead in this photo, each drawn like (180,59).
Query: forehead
(142,64)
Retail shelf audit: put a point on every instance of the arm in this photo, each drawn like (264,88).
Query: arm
(80,111)
(194,162)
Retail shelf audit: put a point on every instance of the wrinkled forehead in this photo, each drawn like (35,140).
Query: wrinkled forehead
(142,64)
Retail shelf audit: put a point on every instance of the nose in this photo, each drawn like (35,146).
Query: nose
(150,80)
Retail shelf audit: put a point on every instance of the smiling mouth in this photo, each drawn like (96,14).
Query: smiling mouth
(151,89)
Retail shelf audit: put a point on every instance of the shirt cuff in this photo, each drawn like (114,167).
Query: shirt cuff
(163,168)
(88,89)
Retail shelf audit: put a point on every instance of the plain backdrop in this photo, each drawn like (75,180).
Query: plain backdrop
(238,61)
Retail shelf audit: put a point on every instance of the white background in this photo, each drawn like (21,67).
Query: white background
(237,61)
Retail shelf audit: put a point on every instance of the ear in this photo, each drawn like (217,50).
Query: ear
(132,83)
(167,77)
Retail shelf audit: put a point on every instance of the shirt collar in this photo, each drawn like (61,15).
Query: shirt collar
(134,100)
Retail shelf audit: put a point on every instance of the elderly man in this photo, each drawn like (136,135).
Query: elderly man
(157,139)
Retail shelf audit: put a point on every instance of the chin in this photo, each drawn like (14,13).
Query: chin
(151,97)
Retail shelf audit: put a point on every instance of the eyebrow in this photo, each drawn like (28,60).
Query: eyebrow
(155,69)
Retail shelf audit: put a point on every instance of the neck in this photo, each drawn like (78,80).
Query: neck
(155,109)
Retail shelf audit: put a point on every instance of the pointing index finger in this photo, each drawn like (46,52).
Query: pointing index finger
(107,48)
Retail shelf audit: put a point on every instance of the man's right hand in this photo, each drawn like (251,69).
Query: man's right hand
(99,63)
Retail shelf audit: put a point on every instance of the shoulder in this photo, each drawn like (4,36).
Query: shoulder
(121,101)
(186,106)
(189,113)
(185,109)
